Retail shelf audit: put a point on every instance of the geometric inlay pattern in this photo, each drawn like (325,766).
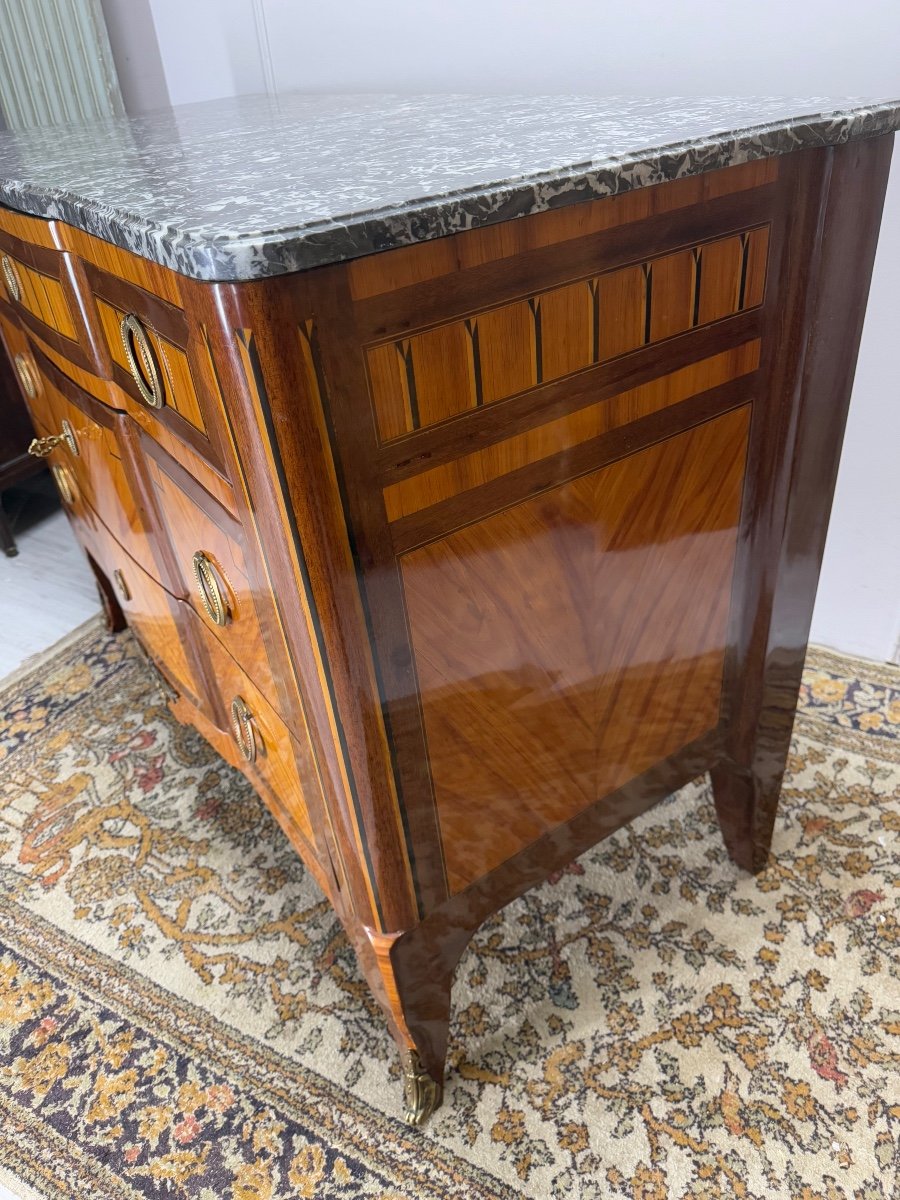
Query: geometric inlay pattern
(429,377)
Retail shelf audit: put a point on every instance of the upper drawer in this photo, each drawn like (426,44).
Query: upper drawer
(147,340)
(40,284)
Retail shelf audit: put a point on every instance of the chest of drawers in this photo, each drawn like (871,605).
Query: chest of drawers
(467,551)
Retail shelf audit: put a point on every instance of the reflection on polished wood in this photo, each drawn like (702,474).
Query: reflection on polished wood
(568,643)
(195,522)
(152,613)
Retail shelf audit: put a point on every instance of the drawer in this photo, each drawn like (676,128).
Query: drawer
(208,546)
(90,459)
(279,765)
(19,352)
(147,338)
(40,285)
(158,620)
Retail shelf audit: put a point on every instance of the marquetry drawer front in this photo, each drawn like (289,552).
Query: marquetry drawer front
(568,642)
(147,342)
(90,449)
(208,546)
(39,284)
(34,230)
(265,750)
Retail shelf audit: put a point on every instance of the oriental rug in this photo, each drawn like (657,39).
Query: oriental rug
(181,1014)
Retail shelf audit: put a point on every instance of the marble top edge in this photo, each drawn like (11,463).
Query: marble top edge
(270,185)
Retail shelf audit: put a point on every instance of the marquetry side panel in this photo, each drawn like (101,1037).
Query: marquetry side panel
(569,642)
(429,377)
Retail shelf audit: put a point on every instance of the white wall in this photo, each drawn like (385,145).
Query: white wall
(213,48)
(132,36)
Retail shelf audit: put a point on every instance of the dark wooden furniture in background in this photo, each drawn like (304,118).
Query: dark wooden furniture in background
(16,464)
(468,552)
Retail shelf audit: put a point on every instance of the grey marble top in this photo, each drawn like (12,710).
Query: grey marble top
(255,186)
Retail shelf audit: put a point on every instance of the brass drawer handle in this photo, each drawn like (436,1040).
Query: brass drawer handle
(141,360)
(212,594)
(242,724)
(121,585)
(41,447)
(11,278)
(65,483)
(28,377)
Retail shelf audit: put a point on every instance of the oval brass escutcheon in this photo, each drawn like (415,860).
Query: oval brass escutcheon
(65,483)
(41,447)
(11,278)
(141,359)
(28,377)
(212,594)
(244,732)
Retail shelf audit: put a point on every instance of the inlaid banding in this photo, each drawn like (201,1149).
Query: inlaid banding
(471,470)
(429,377)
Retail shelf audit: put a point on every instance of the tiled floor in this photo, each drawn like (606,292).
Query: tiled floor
(47,589)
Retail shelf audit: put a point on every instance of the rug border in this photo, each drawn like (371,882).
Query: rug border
(36,662)
(145,1003)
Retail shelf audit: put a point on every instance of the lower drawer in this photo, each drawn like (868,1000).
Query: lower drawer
(159,621)
(225,745)
(279,765)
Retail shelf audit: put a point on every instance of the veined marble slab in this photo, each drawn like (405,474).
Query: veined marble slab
(254,186)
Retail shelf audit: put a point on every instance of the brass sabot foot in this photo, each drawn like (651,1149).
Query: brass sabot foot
(421,1093)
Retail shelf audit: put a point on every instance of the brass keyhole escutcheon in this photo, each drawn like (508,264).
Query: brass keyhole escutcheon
(242,725)
(121,584)
(141,359)
(41,447)
(212,594)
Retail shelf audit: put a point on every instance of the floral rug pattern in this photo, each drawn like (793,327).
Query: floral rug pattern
(181,1014)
